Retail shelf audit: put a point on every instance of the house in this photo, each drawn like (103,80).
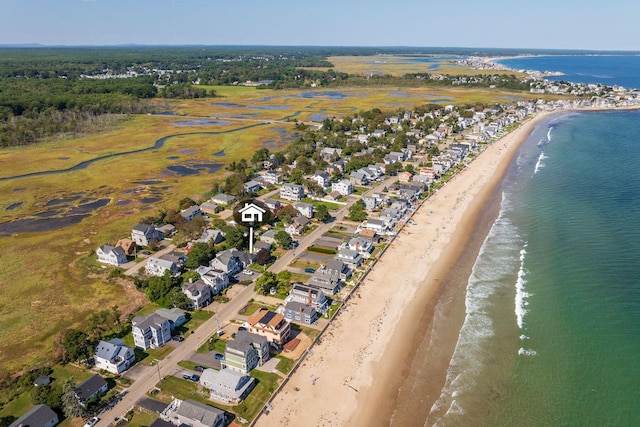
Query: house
(305,209)
(176,317)
(152,331)
(344,187)
(127,245)
(376,225)
(271,325)
(93,386)
(191,212)
(194,414)
(251,213)
(210,207)
(338,267)
(42,380)
(113,356)
(328,154)
(167,230)
(404,176)
(251,187)
(307,295)
(292,192)
(245,352)
(334,196)
(297,226)
(227,261)
(38,416)
(198,293)
(421,179)
(211,236)
(271,177)
(158,267)
(350,257)
(369,235)
(144,234)
(273,204)
(107,254)
(370,202)
(216,279)
(226,385)
(301,313)
(321,178)
(360,245)
(358,178)
(269,237)
(223,199)
(261,245)
(325,280)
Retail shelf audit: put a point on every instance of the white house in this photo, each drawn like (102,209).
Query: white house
(271,177)
(321,178)
(150,332)
(227,386)
(143,234)
(113,356)
(191,413)
(305,209)
(108,254)
(158,266)
(344,187)
(292,192)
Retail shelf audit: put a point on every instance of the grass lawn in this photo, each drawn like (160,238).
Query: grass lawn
(141,418)
(285,365)
(298,263)
(18,406)
(171,387)
(360,190)
(253,404)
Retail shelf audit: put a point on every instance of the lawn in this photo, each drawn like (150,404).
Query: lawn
(298,263)
(171,387)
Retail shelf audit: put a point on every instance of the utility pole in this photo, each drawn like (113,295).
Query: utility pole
(157,362)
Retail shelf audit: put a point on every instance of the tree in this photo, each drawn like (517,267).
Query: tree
(322,213)
(357,212)
(234,236)
(296,176)
(283,239)
(71,406)
(265,282)
(200,254)
(72,345)
(263,256)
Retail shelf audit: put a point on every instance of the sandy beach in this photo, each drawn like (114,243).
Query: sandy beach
(355,376)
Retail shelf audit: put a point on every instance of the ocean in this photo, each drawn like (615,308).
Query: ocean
(551,335)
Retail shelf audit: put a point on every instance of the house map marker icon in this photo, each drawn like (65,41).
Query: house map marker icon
(251,213)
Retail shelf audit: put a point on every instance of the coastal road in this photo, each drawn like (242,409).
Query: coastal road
(184,350)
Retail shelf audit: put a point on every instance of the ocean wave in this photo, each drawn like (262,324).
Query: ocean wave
(539,163)
(521,294)
(527,352)
(549,134)
(492,275)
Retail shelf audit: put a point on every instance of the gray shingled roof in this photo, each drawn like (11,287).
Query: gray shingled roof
(90,387)
(38,416)
(200,412)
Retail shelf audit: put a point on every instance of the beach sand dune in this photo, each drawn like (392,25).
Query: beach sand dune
(353,376)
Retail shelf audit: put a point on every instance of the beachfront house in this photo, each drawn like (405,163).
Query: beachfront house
(113,356)
(226,385)
(271,325)
(301,313)
(327,281)
(245,352)
(308,295)
(108,254)
(350,257)
(194,414)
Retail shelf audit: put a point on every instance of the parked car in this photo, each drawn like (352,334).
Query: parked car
(248,272)
(218,356)
(193,377)
(92,422)
(242,328)
(309,270)
(177,338)
(199,368)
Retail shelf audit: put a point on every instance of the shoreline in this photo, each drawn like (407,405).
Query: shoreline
(374,335)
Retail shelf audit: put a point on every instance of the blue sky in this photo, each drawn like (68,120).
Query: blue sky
(543,24)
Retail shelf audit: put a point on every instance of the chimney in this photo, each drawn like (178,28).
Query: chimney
(357,245)
(309,297)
